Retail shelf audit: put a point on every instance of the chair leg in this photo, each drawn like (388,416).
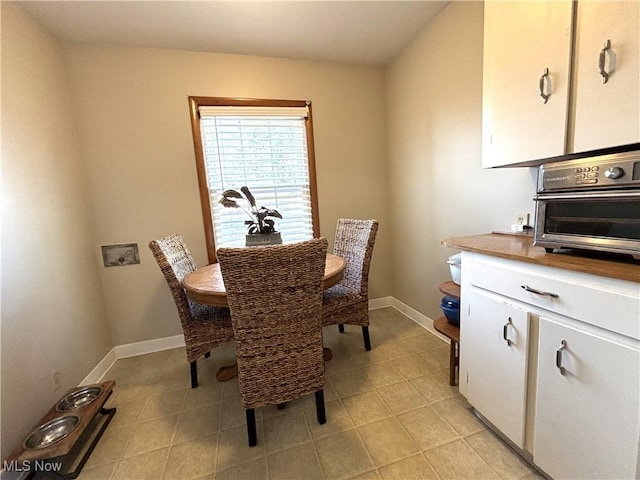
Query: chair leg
(207,355)
(367,340)
(341,328)
(251,427)
(320,412)
(194,374)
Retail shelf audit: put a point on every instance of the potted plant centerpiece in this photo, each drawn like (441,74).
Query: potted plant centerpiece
(261,228)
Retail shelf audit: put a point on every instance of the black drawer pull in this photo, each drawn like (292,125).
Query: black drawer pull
(539,292)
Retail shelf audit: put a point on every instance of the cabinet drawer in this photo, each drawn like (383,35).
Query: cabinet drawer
(604,302)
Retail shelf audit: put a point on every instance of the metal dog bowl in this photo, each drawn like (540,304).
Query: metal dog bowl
(78,399)
(51,432)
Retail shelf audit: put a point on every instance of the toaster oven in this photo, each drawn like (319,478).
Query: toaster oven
(590,204)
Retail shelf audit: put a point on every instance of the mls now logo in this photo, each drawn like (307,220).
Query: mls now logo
(31,466)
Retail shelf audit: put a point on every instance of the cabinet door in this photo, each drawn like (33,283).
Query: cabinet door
(496,346)
(607,114)
(521,40)
(587,418)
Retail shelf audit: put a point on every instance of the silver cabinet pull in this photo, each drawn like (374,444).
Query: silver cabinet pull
(563,345)
(601,60)
(541,85)
(504,332)
(539,292)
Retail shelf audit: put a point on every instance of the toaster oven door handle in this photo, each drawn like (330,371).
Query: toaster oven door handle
(539,292)
(617,195)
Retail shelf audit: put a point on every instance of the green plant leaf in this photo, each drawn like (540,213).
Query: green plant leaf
(227,202)
(269,212)
(249,195)
(231,194)
(259,222)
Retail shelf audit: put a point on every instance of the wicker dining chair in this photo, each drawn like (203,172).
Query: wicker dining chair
(348,301)
(204,327)
(275,297)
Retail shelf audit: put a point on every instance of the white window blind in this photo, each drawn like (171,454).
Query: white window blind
(266,150)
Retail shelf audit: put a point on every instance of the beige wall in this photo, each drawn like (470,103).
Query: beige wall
(438,190)
(53,311)
(130,107)
(401,145)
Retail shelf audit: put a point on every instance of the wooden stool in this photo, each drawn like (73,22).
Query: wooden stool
(452,332)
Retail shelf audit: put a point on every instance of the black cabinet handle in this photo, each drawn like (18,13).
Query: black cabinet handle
(563,345)
(504,332)
(539,292)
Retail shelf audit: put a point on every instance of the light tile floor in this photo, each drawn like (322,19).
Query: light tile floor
(391,414)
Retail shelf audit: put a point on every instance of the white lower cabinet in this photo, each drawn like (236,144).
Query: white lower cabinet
(551,359)
(496,386)
(587,405)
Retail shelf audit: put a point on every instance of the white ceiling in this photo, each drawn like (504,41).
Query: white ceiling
(364,32)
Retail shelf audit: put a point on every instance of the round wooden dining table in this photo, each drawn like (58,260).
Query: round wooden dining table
(205,285)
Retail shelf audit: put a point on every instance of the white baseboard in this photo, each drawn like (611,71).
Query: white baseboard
(416,316)
(149,346)
(131,350)
(382,302)
(166,343)
(97,374)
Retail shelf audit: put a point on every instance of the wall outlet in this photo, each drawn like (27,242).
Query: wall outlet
(56,379)
(521,219)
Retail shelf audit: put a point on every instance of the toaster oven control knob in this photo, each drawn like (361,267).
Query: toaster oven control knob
(614,172)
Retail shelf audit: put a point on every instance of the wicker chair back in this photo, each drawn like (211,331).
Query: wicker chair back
(204,327)
(175,262)
(354,242)
(348,302)
(275,297)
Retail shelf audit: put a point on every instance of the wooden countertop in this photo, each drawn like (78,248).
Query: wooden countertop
(520,247)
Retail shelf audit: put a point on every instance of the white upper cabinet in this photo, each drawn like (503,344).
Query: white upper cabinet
(522,41)
(607,114)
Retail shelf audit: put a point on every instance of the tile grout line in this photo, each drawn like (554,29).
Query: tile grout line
(313,440)
(393,415)
(346,345)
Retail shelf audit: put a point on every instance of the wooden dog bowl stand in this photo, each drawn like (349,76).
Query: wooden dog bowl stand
(73,451)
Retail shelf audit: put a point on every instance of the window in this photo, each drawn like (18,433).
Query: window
(266,145)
